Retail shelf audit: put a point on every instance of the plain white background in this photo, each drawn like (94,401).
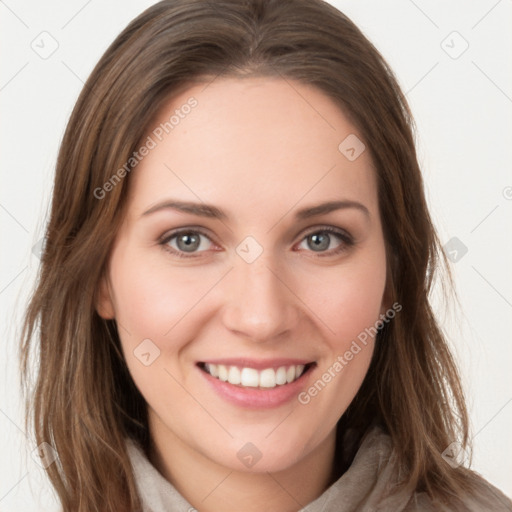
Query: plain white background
(453,61)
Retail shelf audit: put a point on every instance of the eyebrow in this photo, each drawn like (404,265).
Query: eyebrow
(211,211)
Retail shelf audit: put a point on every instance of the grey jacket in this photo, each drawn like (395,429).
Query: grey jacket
(364,487)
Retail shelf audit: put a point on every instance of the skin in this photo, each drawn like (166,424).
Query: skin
(260,149)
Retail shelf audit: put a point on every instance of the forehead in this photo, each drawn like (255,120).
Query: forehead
(251,142)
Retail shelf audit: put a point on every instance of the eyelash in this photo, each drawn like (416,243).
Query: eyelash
(346,239)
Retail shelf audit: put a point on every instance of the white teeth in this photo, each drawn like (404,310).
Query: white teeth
(249,377)
(223,372)
(234,375)
(281,376)
(268,378)
(212,369)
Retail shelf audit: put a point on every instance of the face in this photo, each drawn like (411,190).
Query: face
(241,302)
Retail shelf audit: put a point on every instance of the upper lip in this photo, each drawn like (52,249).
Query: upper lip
(258,364)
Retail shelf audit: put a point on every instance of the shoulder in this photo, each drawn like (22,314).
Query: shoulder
(482,497)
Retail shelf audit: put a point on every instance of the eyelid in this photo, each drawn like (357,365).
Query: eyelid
(169,235)
(346,238)
(329,229)
(186,229)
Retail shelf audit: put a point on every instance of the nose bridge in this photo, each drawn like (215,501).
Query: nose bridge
(258,304)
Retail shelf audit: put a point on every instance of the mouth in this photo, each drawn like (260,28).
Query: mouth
(274,375)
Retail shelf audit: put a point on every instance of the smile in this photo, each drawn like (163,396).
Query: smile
(253,378)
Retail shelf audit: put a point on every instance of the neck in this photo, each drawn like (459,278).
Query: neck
(211,487)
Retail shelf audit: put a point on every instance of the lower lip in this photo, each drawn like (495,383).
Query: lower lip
(257,398)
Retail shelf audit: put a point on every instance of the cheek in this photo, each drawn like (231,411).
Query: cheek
(349,300)
(154,310)
(150,300)
(349,305)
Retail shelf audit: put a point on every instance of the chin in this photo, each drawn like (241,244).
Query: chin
(263,455)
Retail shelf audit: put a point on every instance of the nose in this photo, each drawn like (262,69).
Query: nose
(259,305)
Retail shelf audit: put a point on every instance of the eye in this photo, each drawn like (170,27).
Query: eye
(186,243)
(321,241)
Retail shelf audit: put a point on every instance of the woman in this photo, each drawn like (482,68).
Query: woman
(233,299)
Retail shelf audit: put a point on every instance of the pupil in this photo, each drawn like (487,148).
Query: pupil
(190,242)
(320,241)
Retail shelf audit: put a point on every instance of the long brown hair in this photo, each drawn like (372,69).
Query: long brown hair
(84,402)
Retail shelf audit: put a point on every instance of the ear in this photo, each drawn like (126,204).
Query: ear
(104,303)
